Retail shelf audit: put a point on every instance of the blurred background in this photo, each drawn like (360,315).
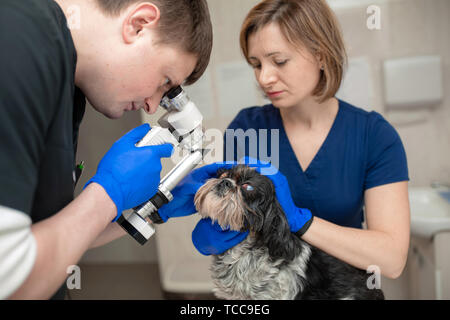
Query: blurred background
(399,66)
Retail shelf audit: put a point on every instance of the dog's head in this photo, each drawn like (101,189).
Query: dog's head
(238,198)
(241,199)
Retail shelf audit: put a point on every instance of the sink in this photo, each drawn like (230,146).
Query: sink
(430,210)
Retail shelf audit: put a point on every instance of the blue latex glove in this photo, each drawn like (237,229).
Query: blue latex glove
(209,238)
(299,219)
(131,175)
(184,193)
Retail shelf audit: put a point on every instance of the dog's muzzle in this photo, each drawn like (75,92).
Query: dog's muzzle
(224,186)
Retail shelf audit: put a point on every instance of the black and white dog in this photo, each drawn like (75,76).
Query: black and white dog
(272,263)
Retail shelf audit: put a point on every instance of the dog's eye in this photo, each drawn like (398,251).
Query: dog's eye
(247,187)
(223,175)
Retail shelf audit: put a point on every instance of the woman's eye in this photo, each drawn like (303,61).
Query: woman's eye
(247,187)
(281,63)
(254,63)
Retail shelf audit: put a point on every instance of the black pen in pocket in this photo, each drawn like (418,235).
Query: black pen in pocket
(78,171)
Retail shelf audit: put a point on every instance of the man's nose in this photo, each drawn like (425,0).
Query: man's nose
(154,101)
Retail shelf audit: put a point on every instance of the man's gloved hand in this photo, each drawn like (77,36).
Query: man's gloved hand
(299,219)
(129,174)
(209,238)
(184,193)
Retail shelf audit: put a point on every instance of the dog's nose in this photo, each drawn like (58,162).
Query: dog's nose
(224,186)
(225,183)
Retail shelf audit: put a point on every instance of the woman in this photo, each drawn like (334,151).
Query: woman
(337,158)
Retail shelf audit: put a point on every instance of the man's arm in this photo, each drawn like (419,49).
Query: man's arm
(112,232)
(62,239)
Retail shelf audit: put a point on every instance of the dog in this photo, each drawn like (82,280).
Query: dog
(272,262)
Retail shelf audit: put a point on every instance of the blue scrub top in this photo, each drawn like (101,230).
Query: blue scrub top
(362,151)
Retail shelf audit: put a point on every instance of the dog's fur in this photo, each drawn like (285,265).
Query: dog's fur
(272,262)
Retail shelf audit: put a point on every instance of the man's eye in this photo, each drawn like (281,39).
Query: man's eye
(167,83)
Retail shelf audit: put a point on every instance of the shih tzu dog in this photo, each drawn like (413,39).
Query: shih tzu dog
(272,262)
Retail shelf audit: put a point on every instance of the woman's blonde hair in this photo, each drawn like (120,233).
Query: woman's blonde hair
(309,24)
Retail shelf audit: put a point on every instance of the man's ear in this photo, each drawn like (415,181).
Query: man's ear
(142,17)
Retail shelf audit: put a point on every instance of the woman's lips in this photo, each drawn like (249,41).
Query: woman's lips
(274,94)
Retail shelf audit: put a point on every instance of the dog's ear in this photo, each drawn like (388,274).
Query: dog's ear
(276,235)
(254,217)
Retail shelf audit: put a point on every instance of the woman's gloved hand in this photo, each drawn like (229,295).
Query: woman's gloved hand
(209,238)
(299,219)
(184,193)
(130,175)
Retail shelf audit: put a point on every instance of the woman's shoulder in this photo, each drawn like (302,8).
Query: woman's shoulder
(368,120)
(353,110)
(255,117)
(372,127)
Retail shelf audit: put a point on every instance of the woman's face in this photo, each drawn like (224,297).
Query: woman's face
(287,75)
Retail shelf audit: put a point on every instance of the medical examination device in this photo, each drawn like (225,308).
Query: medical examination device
(180,126)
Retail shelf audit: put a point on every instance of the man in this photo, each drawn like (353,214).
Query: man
(121,55)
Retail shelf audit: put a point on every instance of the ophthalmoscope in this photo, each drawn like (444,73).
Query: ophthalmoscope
(181,126)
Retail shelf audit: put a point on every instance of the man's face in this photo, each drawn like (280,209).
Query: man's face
(122,65)
(139,80)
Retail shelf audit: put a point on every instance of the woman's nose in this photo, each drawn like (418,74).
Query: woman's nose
(267,76)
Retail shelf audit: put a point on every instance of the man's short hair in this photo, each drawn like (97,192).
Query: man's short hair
(184,23)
